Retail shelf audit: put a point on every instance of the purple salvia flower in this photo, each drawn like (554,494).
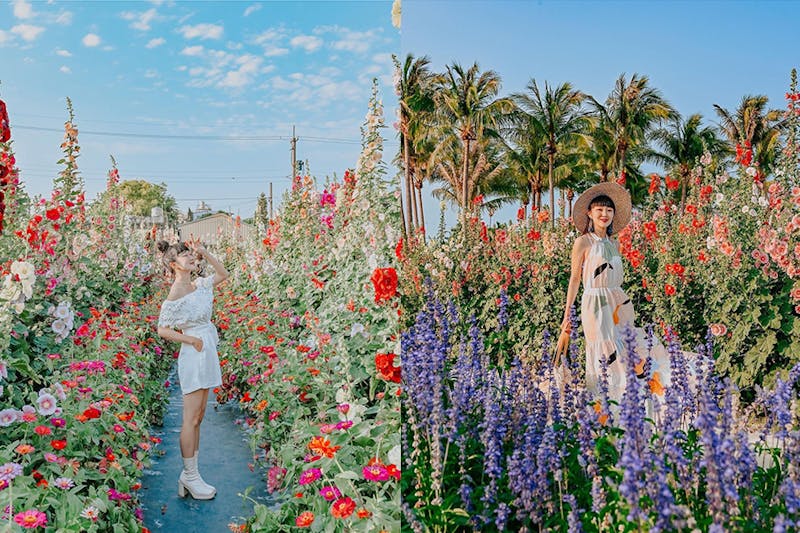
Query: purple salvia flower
(574,524)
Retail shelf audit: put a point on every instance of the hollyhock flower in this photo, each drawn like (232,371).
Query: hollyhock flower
(384,281)
(28,413)
(31,519)
(309,476)
(47,404)
(330,493)
(669,290)
(305,519)
(343,507)
(718,330)
(8,417)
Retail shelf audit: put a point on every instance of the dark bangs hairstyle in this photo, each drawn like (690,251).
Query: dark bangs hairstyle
(603,201)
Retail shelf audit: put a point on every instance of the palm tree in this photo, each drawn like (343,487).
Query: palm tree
(415,102)
(755,125)
(468,108)
(632,109)
(683,143)
(524,152)
(556,116)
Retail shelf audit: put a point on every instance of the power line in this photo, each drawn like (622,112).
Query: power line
(334,140)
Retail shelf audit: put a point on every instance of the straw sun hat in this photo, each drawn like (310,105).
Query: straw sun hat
(618,194)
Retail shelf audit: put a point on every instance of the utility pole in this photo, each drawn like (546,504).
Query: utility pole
(270,200)
(294,155)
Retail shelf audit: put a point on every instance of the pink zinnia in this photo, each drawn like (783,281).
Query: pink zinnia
(376,473)
(344,424)
(330,493)
(31,518)
(310,475)
(118,428)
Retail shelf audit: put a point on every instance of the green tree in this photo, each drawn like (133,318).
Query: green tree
(141,196)
(468,109)
(631,111)
(416,104)
(753,123)
(261,216)
(555,115)
(682,144)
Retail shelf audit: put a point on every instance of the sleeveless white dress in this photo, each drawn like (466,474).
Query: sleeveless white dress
(605,309)
(192,315)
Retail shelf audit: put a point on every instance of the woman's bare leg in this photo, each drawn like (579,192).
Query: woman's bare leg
(202,415)
(193,411)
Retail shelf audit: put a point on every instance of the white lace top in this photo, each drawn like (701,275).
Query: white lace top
(190,310)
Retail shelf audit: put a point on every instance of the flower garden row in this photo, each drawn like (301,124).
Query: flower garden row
(80,384)
(491,443)
(309,350)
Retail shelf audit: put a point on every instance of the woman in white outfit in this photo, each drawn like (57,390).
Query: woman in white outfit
(186,318)
(600,213)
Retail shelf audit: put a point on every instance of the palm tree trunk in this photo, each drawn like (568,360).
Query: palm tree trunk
(416,209)
(403,220)
(465,180)
(550,158)
(421,210)
(406,163)
(684,183)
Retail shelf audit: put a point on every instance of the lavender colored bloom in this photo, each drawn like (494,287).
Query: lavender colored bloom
(502,313)
(574,524)
(47,404)
(501,516)
(9,471)
(8,417)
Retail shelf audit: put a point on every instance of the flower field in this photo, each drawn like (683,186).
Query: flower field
(493,440)
(309,353)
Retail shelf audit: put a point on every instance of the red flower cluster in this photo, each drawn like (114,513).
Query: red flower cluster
(650,230)
(5,128)
(385,283)
(384,363)
(672,184)
(744,154)
(655,184)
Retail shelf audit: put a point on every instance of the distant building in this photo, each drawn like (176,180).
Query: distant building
(202,210)
(209,229)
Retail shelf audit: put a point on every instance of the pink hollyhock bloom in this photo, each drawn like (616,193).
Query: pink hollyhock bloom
(47,404)
(28,414)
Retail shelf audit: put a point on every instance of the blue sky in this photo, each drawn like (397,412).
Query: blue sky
(698,53)
(165,70)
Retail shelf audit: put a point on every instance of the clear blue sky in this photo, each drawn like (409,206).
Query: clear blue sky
(698,53)
(173,68)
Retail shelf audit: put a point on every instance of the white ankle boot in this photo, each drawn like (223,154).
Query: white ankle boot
(190,480)
(197,462)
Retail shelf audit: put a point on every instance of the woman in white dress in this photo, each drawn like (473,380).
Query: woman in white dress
(186,318)
(601,212)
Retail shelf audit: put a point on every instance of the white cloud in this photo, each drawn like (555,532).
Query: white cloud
(251,9)
(28,32)
(202,31)
(192,51)
(274,51)
(22,9)
(91,40)
(153,43)
(5,37)
(64,18)
(272,34)
(140,21)
(248,67)
(151,73)
(63,53)
(309,43)
(354,41)
(65,69)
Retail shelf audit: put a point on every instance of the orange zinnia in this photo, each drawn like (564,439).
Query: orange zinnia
(322,446)
(343,507)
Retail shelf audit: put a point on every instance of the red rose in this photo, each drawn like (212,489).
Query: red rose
(385,282)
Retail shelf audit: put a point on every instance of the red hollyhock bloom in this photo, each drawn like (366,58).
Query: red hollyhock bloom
(669,290)
(385,282)
(5,128)
(53,214)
